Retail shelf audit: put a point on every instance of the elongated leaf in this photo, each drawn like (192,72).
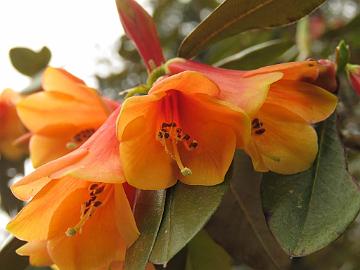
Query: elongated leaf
(28,62)
(8,257)
(236,16)
(239,224)
(204,253)
(149,208)
(256,56)
(309,210)
(187,209)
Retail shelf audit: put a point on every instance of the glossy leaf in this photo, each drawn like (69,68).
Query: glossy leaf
(187,209)
(309,210)
(236,16)
(239,225)
(256,56)
(204,253)
(149,208)
(140,28)
(29,62)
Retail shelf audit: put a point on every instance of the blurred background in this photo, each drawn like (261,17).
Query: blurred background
(86,38)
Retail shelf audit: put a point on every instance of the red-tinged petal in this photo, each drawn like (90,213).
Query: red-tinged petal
(178,65)
(31,184)
(32,223)
(37,250)
(99,243)
(140,27)
(288,144)
(188,82)
(310,102)
(102,163)
(301,71)
(354,77)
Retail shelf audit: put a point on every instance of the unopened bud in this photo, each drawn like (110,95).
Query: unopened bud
(353,72)
(327,75)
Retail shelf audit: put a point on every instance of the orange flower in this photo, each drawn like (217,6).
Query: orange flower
(282,139)
(180,130)
(11,127)
(80,214)
(63,116)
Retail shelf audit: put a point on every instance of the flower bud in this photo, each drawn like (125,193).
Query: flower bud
(353,72)
(327,75)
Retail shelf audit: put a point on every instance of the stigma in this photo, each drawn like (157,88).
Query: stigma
(88,208)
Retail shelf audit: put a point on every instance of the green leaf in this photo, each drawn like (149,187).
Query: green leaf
(239,225)
(236,16)
(342,56)
(149,208)
(8,257)
(187,209)
(309,210)
(204,253)
(28,62)
(256,56)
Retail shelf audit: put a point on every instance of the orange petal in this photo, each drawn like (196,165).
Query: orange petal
(59,80)
(248,93)
(99,243)
(305,71)
(32,223)
(211,159)
(138,147)
(102,163)
(44,148)
(288,145)
(310,102)
(37,250)
(189,82)
(58,112)
(31,184)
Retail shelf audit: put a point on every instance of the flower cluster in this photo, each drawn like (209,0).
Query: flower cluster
(92,153)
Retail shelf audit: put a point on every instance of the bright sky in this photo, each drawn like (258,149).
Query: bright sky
(78,32)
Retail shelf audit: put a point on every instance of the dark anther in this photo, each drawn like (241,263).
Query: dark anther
(87,204)
(99,190)
(164,125)
(193,144)
(92,198)
(86,210)
(186,137)
(93,186)
(164,130)
(178,130)
(160,135)
(260,131)
(173,124)
(256,123)
(167,135)
(97,203)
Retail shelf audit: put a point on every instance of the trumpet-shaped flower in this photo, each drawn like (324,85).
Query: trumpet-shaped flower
(63,116)
(282,139)
(79,216)
(11,127)
(181,131)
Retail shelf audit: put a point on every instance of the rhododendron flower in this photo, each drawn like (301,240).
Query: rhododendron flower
(282,139)
(63,116)
(80,214)
(181,131)
(11,127)
(353,72)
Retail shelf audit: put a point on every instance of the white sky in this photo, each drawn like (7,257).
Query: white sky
(77,32)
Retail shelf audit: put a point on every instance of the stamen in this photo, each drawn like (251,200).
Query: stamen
(257,127)
(88,208)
